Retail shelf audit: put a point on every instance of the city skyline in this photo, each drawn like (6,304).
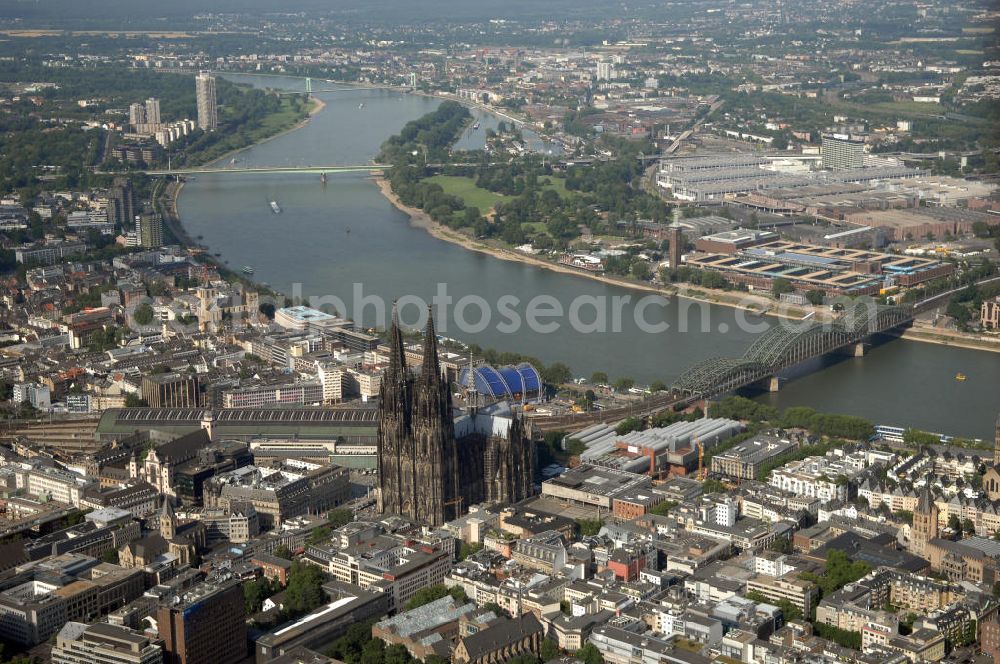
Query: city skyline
(390,332)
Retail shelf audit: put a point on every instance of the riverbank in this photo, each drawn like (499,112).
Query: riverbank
(166,201)
(932,335)
(749,303)
(756,304)
(317,106)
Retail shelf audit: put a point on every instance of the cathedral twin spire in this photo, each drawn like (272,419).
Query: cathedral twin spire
(397,356)
(430,372)
(418,466)
(426,473)
(430,369)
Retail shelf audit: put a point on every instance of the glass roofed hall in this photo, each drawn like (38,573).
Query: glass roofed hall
(514,383)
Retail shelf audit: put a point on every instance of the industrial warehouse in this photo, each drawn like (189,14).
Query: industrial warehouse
(755,260)
(718,178)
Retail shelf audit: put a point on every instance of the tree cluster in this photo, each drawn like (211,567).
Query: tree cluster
(840,571)
(430,136)
(788,610)
(358,647)
(841,637)
(435,592)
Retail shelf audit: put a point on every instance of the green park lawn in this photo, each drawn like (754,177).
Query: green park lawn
(911,107)
(466,189)
(557,184)
(277,122)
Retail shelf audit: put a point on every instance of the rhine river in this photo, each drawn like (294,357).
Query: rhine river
(332,239)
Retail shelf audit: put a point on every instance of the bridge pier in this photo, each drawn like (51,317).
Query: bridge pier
(780,348)
(772,384)
(857,349)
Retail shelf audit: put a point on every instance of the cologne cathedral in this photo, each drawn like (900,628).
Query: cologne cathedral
(433,465)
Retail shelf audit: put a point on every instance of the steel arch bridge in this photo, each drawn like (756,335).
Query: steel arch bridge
(786,345)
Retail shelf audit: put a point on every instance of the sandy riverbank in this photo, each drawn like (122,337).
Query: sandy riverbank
(421,219)
(947,338)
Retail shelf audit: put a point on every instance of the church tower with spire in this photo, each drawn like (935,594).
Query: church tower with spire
(434,436)
(394,458)
(432,466)
(925,522)
(168,520)
(996,445)
(418,464)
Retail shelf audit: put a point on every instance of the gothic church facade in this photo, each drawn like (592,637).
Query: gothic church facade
(432,466)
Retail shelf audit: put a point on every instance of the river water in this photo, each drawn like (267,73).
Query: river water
(331,240)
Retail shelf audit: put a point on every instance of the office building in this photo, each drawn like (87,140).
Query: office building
(52,483)
(138,498)
(121,201)
(594,486)
(103,531)
(206,625)
(237,523)
(171,390)
(841,151)
(79,643)
(30,613)
(137,115)
(621,646)
(284,491)
(745,460)
(34,393)
(69,587)
(49,253)
(348,605)
(730,242)
(396,567)
(153,111)
(150,231)
(303,318)
(331,379)
(794,590)
(294,394)
(208,118)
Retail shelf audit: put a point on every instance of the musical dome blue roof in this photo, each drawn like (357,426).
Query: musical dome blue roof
(510,382)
